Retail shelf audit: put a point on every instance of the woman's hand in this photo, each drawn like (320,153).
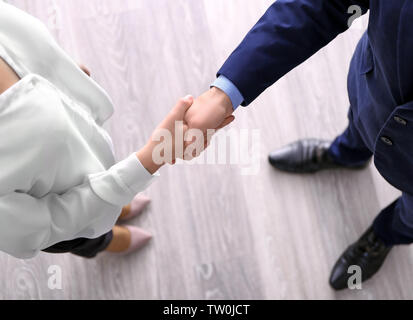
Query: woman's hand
(167,141)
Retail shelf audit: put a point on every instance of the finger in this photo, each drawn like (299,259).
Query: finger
(207,144)
(226,122)
(182,106)
(208,138)
(84,69)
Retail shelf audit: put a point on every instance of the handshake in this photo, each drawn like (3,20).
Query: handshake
(187,129)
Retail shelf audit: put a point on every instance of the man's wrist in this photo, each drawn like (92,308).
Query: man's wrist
(230,89)
(222,99)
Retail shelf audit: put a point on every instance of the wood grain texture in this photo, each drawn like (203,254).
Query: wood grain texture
(218,234)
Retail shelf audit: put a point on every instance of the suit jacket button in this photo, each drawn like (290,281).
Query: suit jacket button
(386,140)
(400,120)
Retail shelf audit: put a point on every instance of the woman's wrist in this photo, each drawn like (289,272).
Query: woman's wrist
(145,157)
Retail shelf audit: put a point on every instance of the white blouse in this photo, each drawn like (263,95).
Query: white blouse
(58,177)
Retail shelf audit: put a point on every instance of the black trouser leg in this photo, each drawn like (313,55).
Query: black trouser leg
(87,248)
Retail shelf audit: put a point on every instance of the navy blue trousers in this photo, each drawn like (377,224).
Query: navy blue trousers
(394,224)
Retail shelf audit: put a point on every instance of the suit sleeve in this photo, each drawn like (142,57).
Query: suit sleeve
(290,32)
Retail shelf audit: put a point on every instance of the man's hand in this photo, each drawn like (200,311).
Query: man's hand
(212,110)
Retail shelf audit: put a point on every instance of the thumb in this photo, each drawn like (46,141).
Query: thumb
(182,106)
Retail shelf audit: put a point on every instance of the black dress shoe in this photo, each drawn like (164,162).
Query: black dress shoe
(306,156)
(369,253)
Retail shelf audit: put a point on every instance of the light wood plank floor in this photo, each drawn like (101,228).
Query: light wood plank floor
(218,233)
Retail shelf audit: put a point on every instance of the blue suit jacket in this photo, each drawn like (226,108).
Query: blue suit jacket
(381,74)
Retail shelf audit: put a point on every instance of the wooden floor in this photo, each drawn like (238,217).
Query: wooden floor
(218,233)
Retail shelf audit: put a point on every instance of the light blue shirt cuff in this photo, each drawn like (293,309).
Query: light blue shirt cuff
(230,89)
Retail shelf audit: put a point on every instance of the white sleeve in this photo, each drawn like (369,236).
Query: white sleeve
(28,224)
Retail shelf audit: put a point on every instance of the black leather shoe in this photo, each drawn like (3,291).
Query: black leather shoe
(369,253)
(305,156)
